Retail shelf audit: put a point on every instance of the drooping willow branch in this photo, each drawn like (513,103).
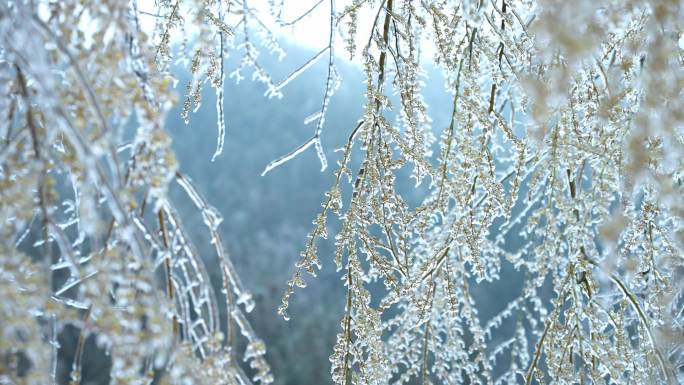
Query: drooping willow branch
(319,117)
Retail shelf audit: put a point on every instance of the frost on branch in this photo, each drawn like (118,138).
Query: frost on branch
(561,166)
(91,239)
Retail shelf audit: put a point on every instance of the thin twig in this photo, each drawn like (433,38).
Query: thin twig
(303,15)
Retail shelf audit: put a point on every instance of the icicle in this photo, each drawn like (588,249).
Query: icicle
(220,121)
(220,118)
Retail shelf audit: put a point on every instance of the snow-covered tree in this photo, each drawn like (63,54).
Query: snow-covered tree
(561,168)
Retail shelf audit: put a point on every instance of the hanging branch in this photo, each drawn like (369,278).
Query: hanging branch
(315,140)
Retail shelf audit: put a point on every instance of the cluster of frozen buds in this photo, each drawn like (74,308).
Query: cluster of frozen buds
(91,239)
(556,187)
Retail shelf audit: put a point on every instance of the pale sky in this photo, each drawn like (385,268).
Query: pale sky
(311,31)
